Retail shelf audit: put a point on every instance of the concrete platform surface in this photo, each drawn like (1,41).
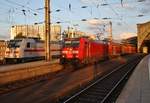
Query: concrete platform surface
(137,89)
(6,68)
(12,73)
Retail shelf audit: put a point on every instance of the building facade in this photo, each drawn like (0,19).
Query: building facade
(35,31)
(143,32)
(3,46)
(73,33)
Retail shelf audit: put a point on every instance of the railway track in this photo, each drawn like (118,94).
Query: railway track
(106,88)
(31,81)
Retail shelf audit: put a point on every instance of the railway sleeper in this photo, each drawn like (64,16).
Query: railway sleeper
(86,100)
(106,86)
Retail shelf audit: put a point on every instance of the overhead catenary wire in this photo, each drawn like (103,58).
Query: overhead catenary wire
(30,11)
(25,10)
(23,6)
(118,16)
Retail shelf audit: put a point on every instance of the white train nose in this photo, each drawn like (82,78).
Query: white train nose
(11,53)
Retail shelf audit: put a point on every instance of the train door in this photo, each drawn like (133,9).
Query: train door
(86,48)
(113,50)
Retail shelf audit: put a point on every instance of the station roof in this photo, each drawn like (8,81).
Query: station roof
(131,40)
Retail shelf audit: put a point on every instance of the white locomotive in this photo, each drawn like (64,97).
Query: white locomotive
(27,49)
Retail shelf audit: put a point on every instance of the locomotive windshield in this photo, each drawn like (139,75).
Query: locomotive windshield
(73,43)
(14,43)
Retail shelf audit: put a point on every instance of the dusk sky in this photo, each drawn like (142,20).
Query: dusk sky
(124,17)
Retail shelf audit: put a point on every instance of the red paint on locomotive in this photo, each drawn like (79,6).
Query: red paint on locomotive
(83,50)
(114,49)
(128,49)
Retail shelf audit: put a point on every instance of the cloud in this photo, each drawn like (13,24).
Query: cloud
(91,1)
(144,10)
(93,25)
(96,22)
(4,37)
(126,5)
(145,7)
(97,26)
(135,5)
(127,35)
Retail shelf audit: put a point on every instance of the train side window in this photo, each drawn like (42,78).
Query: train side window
(28,45)
(86,43)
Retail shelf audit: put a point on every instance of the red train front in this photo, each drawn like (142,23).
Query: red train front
(82,50)
(70,51)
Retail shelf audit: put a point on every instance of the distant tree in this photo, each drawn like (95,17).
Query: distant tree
(58,36)
(38,36)
(19,35)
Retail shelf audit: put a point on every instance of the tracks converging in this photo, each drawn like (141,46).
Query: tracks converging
(101,90)
(31,81)
(105,89)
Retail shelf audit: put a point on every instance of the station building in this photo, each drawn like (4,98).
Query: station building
(143,31)
(3,46)
(35,31)
(73,33)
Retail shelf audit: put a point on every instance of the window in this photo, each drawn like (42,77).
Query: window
(28,45)
(14,43)
(72,43)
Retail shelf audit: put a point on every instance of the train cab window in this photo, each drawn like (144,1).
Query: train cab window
(14,43)
(72,43)
(28,45)
(86,43)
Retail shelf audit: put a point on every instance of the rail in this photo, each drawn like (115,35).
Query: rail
(102,89)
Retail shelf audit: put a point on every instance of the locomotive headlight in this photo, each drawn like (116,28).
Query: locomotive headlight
(75,51)
(77,56)
(64,52)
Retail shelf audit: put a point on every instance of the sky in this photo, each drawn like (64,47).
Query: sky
(124,16)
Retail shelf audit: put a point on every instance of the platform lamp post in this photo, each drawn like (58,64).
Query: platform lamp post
(47,31)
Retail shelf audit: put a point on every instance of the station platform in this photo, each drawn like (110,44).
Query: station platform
(137,89)
(18,72)
(6,68)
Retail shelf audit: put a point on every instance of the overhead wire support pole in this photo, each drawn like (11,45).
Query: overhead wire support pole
(47,31)
(110,31)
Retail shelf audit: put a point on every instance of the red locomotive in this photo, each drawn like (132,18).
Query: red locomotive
(83,50)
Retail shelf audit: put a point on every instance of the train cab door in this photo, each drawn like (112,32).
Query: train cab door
(87,52)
